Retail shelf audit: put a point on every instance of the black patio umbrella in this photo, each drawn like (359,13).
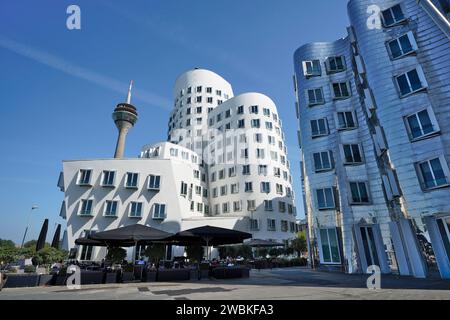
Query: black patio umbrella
(57,235)
(42,236)
(83,241)
(209,236)
(259,243)
(132,234)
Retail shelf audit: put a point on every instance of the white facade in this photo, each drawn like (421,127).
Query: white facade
(243,182)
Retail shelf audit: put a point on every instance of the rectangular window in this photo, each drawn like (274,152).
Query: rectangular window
(235,188)
(266,112)
(225,207)
(329,246)
(341,90)
(254,225)
(132,180)
(268,205)
(86,207)
(110,208)
(279,188)
(421,124)
(411,82)
(319,127)
(402,45)
(433,173)
(281,206)
(315,96)
(284,225)
(259,153)
(84,178)
(311,68)
(108,178)
(223,190)
(265,187)
(248,187)
(228,113)
(184,189)
(323,161)
(199,89)
(154,182)
(237,206)
(352,154)
(231,171)
(271,225)
(262,170)
(393,16)
(200,207)
(240,110)
(346,120)
(159,211)
(335,64)
(254,109)
(258,137)
(251,206)
(255,123)
(360,194)
(136,210)
(325,198)
(246,169)
(208,90)
(241,123)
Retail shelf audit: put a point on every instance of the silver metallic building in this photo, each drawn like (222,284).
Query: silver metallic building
(374,115)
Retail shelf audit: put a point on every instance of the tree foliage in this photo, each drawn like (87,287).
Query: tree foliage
(195,253)
(155,252)
(116,255)
(299,244)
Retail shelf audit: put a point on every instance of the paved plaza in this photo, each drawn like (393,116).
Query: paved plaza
(286,283)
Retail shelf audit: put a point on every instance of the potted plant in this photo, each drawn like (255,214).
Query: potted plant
(127,273)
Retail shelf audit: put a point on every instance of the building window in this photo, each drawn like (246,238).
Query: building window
(311,68)
(329,246)
(258,137)
(265,187)
(346,120)
(154,182)
(325,198)
(223,190)
(284,225)
(110,209)
(254,109)
(266,112)
(86,253)
(132,180)
(159,211)
(228,113)
(319,127)
(422,124)
(279,188)
(402,45)
(341,90)
(393,16)
(235,188)
(269,125)
(86,207)
(244,153)
(281,206)
(241,123)
(248,187)
(335,64)
(246,169)
(136,210)
(200,207)
(251,206)
(173,152)
(254,225)
(219,92)
(315,96)
(198,190)
(84,177)
(444,229)
(240,110)
(268,205)
(237,206)
(271,225)
(433,173)
(255,123)
(360,195)
(262,170)
(352,154)
(199,89)
(323,161)
(225,207)
(108,178)
(411,82)
(259,153)
(276,172)
(184,189)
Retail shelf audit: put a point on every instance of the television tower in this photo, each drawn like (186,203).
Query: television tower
(124,116)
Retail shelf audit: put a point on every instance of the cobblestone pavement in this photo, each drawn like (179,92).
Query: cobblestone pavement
(286,283)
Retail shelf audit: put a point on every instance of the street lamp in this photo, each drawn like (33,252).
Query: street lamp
(28,224)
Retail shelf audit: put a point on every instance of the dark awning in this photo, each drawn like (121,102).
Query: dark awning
(132,234)
(209,235)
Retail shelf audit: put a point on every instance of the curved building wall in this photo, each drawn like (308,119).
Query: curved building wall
(249,172)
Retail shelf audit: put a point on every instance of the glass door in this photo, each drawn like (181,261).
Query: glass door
(370,248)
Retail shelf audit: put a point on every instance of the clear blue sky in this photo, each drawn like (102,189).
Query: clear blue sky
(59,87)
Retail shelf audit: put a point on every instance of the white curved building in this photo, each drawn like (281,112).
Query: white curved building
(225,164)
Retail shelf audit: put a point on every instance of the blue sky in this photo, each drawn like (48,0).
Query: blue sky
(59,87)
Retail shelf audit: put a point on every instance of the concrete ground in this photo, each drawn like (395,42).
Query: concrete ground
(286,283)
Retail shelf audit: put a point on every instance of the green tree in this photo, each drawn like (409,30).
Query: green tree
(116,255)
(7,243)
(49,255)
(299,244)
(8,254)
(245,251)
(155,252)
(195,253)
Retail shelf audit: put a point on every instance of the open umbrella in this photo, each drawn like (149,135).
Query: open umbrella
(55,241)
(259,243)
(209,236)
(42,236)
(136,233)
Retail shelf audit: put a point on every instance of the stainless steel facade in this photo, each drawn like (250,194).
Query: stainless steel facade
(390,202)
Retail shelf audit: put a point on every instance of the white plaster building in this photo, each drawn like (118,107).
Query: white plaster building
(236,177)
